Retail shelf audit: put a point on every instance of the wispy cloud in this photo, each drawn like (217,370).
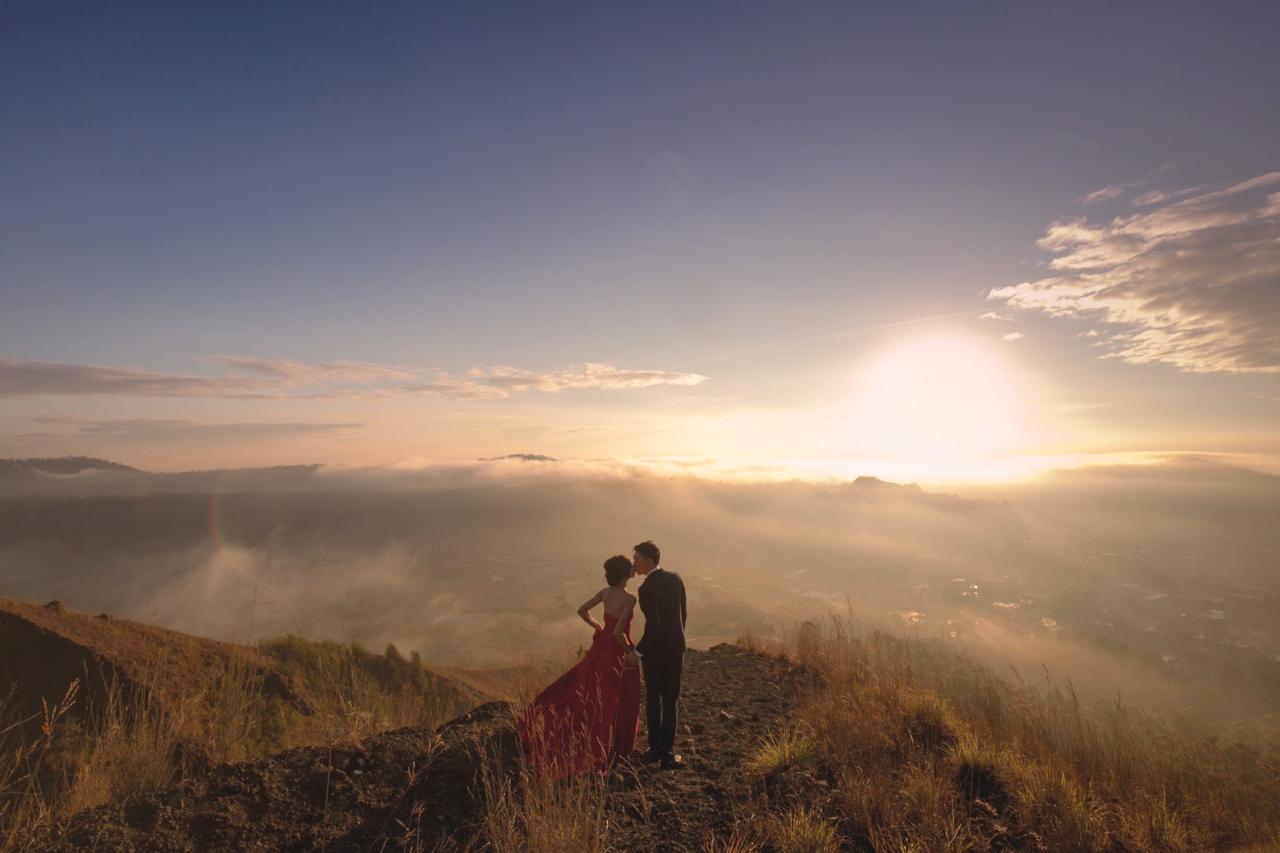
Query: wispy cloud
(1013,336)
(1159,196)
(504,381)
(587,375)
(1194,283)
(995,315)
(20,378)
(1107,193)
(262,378)
(302,374)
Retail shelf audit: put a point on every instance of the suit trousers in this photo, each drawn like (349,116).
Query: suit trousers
(662,690)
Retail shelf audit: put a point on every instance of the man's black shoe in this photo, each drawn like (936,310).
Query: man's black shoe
(652,757)
(671,762)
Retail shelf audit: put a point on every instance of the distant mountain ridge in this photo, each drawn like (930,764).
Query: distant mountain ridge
(519,457)
(60,465)
(86,475)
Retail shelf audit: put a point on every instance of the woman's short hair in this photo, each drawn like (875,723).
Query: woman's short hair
(616,569)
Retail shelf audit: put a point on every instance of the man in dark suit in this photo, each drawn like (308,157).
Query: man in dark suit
(661,649)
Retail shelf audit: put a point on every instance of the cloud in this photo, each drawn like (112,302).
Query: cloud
(587,375)
(300,373)
(1109,192)
(1194,283)
(542,431)
(495,382)
(21,378)
(1157,196)
(263,378)
(1013,336)
(993,315)
(150,429)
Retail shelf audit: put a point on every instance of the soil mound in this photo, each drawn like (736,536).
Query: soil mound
(419,789)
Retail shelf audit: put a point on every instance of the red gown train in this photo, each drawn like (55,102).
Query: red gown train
(588,717)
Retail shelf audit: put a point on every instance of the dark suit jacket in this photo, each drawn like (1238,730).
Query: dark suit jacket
(662,601)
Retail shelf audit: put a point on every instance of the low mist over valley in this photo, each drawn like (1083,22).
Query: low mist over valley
(1158,582)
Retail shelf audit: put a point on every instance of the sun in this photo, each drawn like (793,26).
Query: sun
(939,403)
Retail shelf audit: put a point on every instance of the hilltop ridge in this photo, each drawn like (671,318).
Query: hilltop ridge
(850,740)
(421,788)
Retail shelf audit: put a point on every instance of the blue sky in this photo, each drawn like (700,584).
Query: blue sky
(709,190)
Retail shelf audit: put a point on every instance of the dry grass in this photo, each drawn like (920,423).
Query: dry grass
(923,749)
(86,751)
(929,750)
(24,797)
(130,749)
(782,749)
(527,811)
(801,830)
(743,839)
(359,693)
(89,751)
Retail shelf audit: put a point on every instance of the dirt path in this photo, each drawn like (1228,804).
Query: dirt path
(729,699)
(416,788)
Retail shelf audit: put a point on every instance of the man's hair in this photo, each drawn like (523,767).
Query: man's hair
(617,568)
(649,551)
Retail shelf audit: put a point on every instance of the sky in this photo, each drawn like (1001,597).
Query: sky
(928,242)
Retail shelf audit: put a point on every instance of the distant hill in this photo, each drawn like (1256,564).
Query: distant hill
(868,482)
(83,475)
(63,466)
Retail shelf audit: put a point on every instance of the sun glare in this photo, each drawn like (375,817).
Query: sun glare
(941,404)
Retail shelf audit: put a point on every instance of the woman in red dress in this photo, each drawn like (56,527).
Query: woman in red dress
(588,717)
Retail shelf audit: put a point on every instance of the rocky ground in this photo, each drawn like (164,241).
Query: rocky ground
(419,789)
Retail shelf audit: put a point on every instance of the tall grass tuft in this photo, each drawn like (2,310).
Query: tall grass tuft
(783,748)
(129,748)
(531,811)
(743,839)
(24,783)
(802,830)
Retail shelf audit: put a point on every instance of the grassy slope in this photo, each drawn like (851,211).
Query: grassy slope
(98,707)
(897,744)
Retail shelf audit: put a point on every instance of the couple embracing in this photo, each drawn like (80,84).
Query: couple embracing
(588,718)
